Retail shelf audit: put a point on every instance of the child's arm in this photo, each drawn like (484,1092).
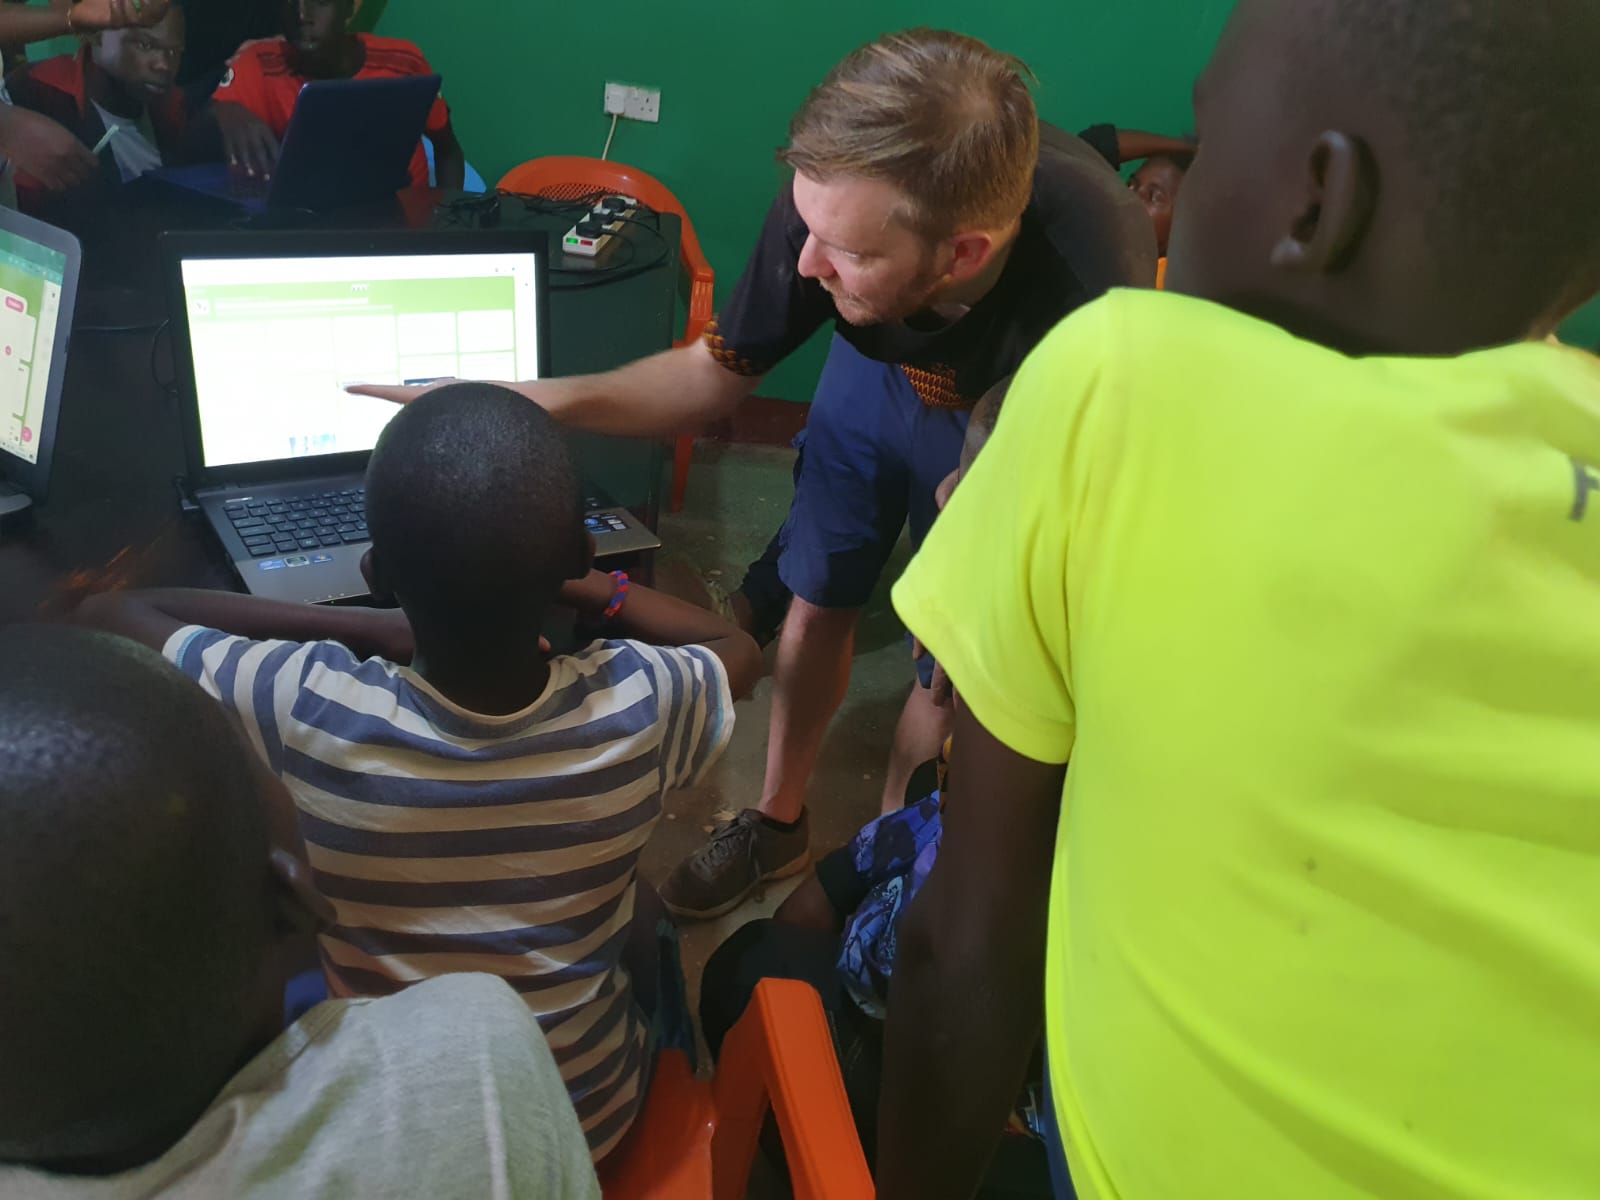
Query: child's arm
(649,616)
(1134,144)
(154,615)
(62,18)
(449,160)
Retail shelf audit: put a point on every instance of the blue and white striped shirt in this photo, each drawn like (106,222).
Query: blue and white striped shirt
(451,841)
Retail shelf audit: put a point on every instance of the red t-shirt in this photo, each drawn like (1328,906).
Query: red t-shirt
(261,79)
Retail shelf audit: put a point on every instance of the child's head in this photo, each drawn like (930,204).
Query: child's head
(475,510)
(979,426)
(1157,183)
(1397,177)
(982,422)
(148,894)
(143,61)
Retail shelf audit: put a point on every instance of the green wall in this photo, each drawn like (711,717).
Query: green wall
(525,81)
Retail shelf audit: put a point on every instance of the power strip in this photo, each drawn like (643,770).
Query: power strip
(590,236)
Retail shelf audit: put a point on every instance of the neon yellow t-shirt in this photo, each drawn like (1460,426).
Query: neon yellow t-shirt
(1321,638)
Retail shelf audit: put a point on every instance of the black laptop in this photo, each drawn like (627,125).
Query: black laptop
(350,142)
(38,288)
(269,327)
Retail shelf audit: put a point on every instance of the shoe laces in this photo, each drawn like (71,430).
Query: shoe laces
(737,837)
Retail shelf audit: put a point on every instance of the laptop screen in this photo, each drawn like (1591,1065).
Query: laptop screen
(31,277)
(275,341)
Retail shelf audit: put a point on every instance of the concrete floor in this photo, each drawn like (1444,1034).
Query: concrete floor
(738,497)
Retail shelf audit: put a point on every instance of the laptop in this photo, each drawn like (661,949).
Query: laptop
(269,327)
(38,291)
(349,142)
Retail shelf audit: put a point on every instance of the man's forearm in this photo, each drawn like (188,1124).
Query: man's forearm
(678,391)
(32,24)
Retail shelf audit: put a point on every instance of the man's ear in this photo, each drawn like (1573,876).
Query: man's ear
(970,255)
(1336,211)
(374,579)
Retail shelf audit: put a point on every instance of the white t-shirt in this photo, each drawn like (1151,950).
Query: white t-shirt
(447,1089)
(133,145)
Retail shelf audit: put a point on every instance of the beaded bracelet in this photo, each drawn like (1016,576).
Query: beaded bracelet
(617,597)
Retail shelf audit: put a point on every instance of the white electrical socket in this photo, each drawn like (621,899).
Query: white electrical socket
(634,103)
(644,105)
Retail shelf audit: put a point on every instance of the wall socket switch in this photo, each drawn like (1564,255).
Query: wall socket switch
(634,103)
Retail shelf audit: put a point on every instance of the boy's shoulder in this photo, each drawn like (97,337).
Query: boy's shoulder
(270,56)
(199,647)
(1164,347)
(64,72)
(389,52)
(608,660)
(664,679)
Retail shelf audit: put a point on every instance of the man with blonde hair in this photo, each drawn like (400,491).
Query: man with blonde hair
(942,237)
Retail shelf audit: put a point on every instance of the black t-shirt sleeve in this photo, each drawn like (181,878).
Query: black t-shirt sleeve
(772,310)
(1102,140)
(1097,225)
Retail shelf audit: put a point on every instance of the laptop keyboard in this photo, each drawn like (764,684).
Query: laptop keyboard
(245,188)
(288,524)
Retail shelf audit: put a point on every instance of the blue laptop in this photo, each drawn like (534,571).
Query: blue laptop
(350,142)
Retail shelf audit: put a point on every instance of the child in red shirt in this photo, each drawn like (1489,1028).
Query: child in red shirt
(257,96)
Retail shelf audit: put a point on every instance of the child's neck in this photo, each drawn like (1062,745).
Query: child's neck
(494,675)
(342,59)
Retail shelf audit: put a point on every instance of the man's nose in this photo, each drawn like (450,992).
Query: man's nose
(813,262)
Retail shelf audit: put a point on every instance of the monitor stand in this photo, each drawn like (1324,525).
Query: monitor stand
(14,505)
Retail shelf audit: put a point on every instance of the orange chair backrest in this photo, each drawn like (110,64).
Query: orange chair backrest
(697,1140)
(571,177)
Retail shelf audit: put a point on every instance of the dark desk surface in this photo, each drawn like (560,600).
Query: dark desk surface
(112,516)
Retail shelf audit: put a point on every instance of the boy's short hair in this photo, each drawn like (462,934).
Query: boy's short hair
(133,911)
(980,425)
(1496,99)
(943,117)
(475,506)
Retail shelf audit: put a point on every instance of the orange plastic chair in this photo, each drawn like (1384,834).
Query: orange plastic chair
(697,1139)
(569,177)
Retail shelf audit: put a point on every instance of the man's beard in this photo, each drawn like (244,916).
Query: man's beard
(910,300)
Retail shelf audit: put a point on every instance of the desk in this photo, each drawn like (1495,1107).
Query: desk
(112,516)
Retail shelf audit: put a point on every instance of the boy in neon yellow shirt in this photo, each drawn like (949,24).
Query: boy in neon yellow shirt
(1299,564)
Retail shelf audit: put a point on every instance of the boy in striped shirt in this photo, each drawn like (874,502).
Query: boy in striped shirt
(483,808)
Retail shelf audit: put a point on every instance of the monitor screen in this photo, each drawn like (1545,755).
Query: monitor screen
(31,277)
(275,341)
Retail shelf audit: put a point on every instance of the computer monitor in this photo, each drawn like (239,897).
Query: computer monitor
(38,291)
(275,325)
